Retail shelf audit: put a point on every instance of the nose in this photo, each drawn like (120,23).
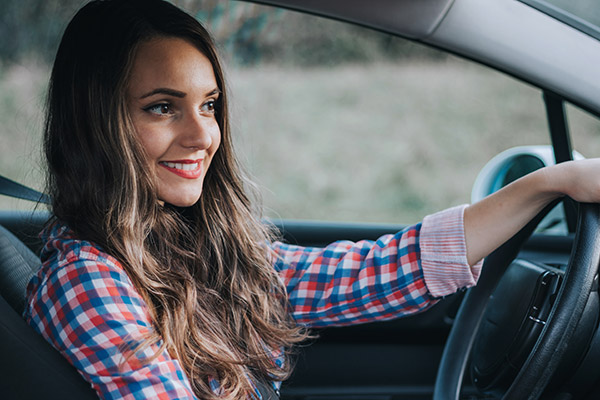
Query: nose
(197,131)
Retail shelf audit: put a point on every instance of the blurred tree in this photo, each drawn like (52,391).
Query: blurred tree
(33,27)
(235,25)
(254,33)
(251,33)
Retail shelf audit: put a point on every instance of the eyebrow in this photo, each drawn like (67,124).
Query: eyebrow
(167,91)
(175,93)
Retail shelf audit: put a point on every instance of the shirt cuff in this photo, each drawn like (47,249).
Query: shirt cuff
(444,253)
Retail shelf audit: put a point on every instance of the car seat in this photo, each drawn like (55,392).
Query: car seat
(30,368)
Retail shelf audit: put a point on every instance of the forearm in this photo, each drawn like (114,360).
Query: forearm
(495,219)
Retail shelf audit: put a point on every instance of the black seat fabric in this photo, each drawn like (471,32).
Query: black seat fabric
(29,367)
(17,266)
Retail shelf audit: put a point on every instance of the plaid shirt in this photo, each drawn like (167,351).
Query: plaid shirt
(83,303)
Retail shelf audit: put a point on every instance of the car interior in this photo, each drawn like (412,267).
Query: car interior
(529,329)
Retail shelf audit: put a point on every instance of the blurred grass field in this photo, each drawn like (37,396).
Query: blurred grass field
(378,142)
(383,142)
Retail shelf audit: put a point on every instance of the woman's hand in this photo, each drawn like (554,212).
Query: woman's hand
(495,219)
(580,180)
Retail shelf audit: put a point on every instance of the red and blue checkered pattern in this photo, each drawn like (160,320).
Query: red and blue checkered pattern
(84,304)
(348,283)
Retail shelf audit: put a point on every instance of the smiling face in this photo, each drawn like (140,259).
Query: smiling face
(172,97)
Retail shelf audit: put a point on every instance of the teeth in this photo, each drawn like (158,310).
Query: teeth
(189,167)
(184,167)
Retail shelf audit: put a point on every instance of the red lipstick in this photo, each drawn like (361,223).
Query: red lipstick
(188,169)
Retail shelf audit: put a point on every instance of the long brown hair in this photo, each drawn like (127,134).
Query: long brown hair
(205,272)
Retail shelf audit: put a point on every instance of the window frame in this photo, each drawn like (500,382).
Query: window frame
(564,16)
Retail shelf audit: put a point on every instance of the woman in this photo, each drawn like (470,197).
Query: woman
(158,279)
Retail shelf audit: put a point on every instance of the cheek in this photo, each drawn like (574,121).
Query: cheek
(154,143)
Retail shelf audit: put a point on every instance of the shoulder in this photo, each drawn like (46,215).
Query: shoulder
(84,304)
(78,274)
(66,257)
(62,247)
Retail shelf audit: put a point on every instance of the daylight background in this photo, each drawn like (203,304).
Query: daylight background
(333,122)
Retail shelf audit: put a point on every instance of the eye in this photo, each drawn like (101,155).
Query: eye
(210,107)
(160,109)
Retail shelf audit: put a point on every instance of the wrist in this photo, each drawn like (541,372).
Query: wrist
(560,180)
(550,183)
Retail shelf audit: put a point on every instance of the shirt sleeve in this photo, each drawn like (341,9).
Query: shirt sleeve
(90,312)
(347,283)
(444,253)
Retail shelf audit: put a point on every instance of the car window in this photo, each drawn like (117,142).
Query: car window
(332,121)
(363,126)
(585,131)
(34,29)
(580,14)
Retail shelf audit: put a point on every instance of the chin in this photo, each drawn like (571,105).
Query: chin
(181,201)
(180,195)
(186,203)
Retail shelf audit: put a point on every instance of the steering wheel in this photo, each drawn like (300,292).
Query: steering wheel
(549,349)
